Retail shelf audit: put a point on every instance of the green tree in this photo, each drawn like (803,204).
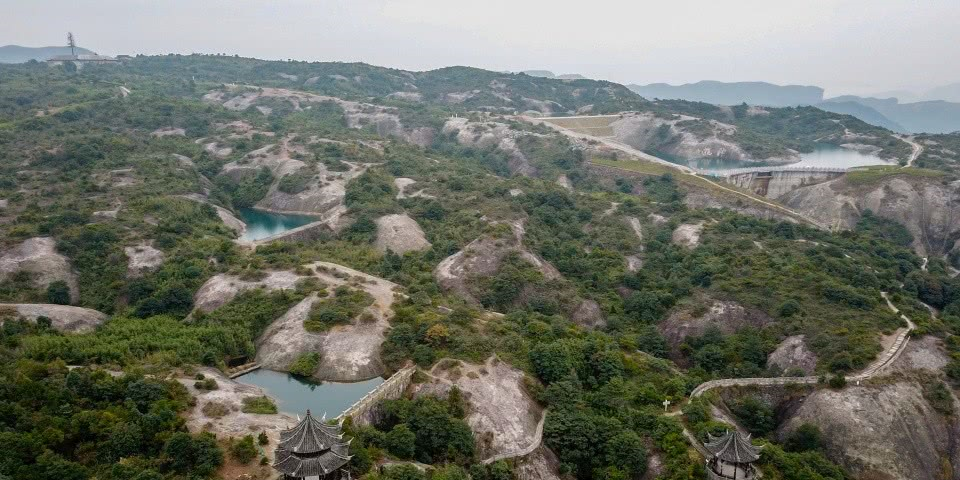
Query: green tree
(401,442)
(244,450)
(58,292)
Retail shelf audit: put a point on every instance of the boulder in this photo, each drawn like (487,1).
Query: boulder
(38,256)
(64,318)
(399,233)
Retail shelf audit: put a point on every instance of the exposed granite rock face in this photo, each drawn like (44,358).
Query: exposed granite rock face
(685,137)
(502,415)
(589,315)
(483,257)
(726,316)
(348,353)
(399,233)
(220,289)
(233,422)
(793,353)
(38,256)
(688,235)
(63,318)
(227,217)
(141,259)
(928,208)
(492,134)
(886,428)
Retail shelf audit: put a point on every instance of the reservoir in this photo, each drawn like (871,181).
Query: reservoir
(823,156)
(294,395)
(262,224)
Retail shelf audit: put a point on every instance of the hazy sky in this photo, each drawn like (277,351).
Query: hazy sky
(846,46)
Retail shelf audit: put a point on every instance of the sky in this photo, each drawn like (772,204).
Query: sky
(845,46)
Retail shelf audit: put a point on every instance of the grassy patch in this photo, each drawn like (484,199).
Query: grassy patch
(345,305)
(873,175)
(259,405)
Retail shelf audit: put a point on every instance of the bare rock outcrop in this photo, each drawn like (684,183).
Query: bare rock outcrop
(400,233)
(492,135)
(38,256)
(688,235)
(63,318)
(483,257)
(589,315)
(887,428)
(502,415)
(726,316)
(685,137)
(220,411)
(348,353)
(384,120)
(226,216)
(220,289)
(542,464)
(141,259)
(928,208)
(793,354)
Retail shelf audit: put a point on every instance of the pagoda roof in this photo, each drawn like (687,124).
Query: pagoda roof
(310,436)
(312,465)
(732,447)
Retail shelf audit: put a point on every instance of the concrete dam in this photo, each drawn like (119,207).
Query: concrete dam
(776,182)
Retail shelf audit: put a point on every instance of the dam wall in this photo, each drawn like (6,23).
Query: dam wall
(367,410)
(775,183)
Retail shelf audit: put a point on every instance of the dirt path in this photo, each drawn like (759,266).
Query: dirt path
(917,149)
(892,353)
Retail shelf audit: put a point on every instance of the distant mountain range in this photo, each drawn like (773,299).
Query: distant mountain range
(734,93)
(932,116)
(18,54)
(935,116)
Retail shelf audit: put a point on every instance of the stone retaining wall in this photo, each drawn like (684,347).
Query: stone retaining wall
(366,411)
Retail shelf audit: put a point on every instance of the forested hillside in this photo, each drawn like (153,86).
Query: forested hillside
(481,234)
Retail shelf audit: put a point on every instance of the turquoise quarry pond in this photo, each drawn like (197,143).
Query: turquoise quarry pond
(262,224)
(294,396)
(822,156)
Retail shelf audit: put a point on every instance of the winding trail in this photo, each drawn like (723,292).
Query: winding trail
(887,358)
(636,153)
(917,149)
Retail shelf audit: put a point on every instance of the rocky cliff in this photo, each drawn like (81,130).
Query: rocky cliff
(927,206)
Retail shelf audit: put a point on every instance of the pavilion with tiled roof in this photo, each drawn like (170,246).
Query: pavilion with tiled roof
(732,456)
(312,450)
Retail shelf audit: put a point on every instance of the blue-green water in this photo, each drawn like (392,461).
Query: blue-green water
(262,224)
(294,396)
(828,156)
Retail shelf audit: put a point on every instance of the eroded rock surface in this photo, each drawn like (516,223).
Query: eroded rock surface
(483,257)
(63,318)
(220,289)
(347,352)
(227,400)
(927,207)
(688,235)
(502,414)
(886,428)
(726,316)
(38,256)
(141,259)
(492,134)
(792,354)
(399,233)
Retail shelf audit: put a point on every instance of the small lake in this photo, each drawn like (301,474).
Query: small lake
(829,156)
(294,396)
(262,224)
